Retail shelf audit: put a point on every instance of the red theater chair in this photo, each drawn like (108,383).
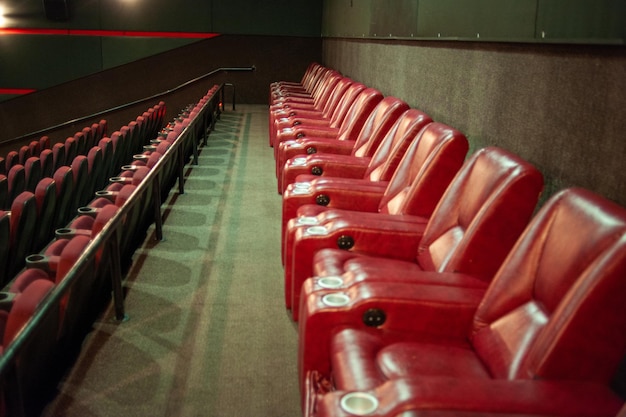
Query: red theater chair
(339,114)
(379,167)
(304,83)
(330,114)
(545,338)
(422,177)
(64,180)
(5,246)
(36,358)
(364,144)
(305,92)
(16,178)
(23,226)
(46,158)
(296,141)
(46,199)
(345,180)
(471,230)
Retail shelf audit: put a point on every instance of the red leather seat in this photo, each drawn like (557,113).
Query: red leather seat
(338,118)
(545,338)
(379,167)
(364,144)
(334,190)
(304,82)
(295,141)
(428,167)
(330,113)
(471,230)
(304,91)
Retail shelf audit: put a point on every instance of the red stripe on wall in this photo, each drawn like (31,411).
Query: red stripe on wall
(16,91)
(105,33)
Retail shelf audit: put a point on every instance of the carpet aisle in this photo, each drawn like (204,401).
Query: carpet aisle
(207,333)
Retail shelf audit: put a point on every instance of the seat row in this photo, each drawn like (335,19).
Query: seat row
(63,179)
(82,263)
(426,281)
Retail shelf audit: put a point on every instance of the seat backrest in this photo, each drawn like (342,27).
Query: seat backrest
(64,180)
(358,113)
(58,155)
(24,153)
(377,124)
(46,198)
(5,238)
(557,307)
(23,225)
(481,215)
(12,158)
(330,108)
(425,171)
(23,308)
(80,171)
(97,173)
(46,158)
(71,149)
(16,181)
(32,171)
(44,143)
(345,102)
(4,192)
(394,145)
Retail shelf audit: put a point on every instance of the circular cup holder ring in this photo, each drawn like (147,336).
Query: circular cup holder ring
(359,403)
(317,231)
(298,161)
(337,299)
(331,282)
(307,221)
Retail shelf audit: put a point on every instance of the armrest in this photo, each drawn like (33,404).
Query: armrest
(363,196)
(301,121)
(334,165)
(525,397)
(297,132)
(429,312)
(397,240)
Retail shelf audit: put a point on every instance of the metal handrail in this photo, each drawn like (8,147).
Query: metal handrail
(106,238)
(133,103)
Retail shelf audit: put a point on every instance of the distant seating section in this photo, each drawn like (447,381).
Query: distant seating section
(426,281)
(56,200)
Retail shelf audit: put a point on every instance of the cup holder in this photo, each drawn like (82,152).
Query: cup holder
(103,193)
(359,403)
(6,300)
(129,167)
(330,282)
(336,299)
(64,232)
(140,157)
(36,261)
(307,220)
(298,161)
(317,230)
(86,210)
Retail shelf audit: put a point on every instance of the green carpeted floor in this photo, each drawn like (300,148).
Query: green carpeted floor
(207,333)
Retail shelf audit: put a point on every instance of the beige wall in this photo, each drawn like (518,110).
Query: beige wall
(560,107)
